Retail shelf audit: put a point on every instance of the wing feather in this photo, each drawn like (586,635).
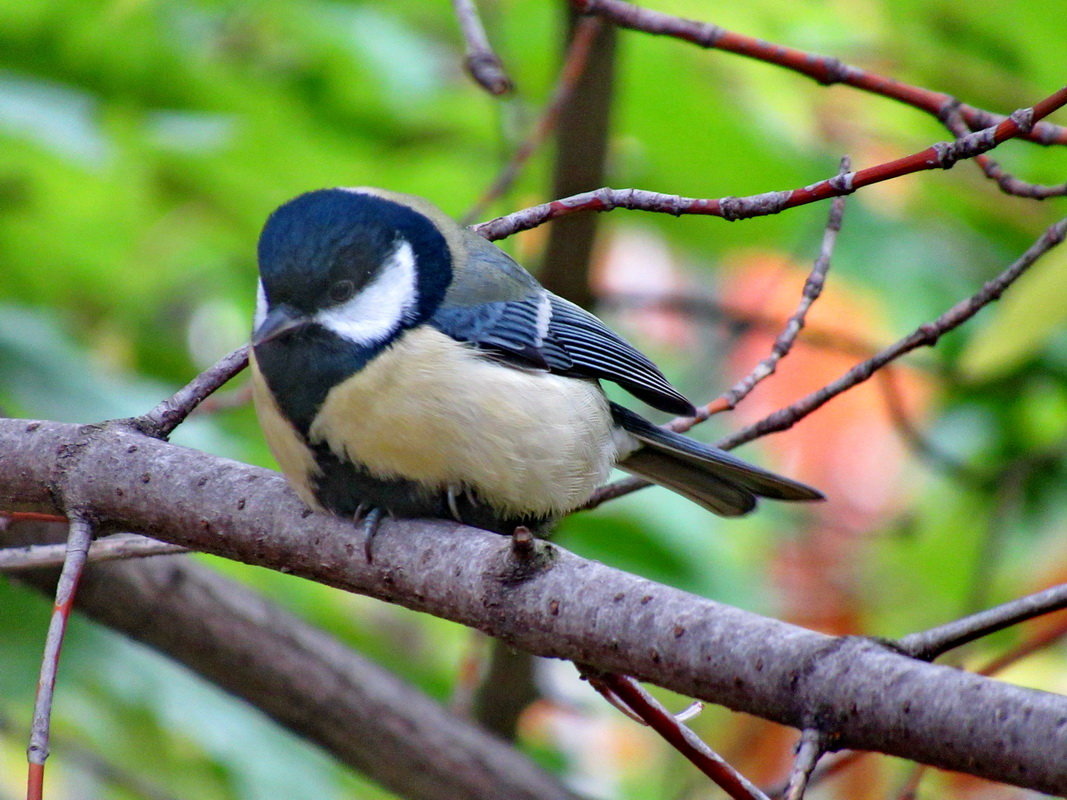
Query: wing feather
(524,322)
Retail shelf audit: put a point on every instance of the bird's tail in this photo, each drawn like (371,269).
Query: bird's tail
(712,478)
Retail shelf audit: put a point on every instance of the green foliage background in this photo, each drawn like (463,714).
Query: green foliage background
(142,144)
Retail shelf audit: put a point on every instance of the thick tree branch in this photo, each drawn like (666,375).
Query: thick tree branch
(306,680)
(861,693)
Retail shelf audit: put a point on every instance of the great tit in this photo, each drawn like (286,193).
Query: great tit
(402,363)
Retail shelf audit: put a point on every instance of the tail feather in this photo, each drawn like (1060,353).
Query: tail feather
(712,478)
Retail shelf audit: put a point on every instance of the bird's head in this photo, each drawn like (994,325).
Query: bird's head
(361,263)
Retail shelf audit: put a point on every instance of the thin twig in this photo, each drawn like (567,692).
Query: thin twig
(910,786)
(928,645)
(709,310)
(824,69)
(110,548)
(95,765)
(238,398)
(585,33)
(680,736)
(1007,182)
(810,749)
(161,421)
(8,518)
(924,336)
(784,343)
(1025,648)
(941,155)
(481,62)
(920,444)
(78,540)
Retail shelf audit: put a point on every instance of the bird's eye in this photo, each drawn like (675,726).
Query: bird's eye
(342,291)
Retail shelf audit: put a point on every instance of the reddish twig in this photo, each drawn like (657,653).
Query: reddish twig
(649,711)
(930,644)
(10,517)
(1007,182)
(923,336)
(111,548)
(574,63)
(942,155)
(77,548)
(481,62)
(161,421)
(824,69)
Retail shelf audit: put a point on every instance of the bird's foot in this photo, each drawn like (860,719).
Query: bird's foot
(372,519)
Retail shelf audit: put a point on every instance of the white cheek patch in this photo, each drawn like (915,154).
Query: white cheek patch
(381,306)
(261,306)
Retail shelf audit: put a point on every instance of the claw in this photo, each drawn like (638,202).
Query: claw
(370,530)
(450,493)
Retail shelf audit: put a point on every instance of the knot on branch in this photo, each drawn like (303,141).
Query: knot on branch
(808,682)
(759,205)
(1024,119)
(842,184)
(710,35)
(949,111)
(834,70)
(946,154)
(524,558)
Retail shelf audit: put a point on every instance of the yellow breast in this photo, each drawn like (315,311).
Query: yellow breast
(292,455)
(432,410)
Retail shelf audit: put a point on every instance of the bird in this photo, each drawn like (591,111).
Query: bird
(402,365)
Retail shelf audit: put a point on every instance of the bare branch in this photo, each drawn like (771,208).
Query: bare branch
(824,69)
(1007,182)
(1028,647)
(930,644)
(573,66)
(481,62)
(169,414)
(809,750)
(942,155)
(784,343)
(691,645)
(648,710)
(307,680)
(110,548)
(77,548)
(923,336)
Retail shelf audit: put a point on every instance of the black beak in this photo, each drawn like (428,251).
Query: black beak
(280,319)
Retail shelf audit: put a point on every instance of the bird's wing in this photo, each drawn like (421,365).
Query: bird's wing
(496,305)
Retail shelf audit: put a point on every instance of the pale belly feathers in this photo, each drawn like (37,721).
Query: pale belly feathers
(431,410)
